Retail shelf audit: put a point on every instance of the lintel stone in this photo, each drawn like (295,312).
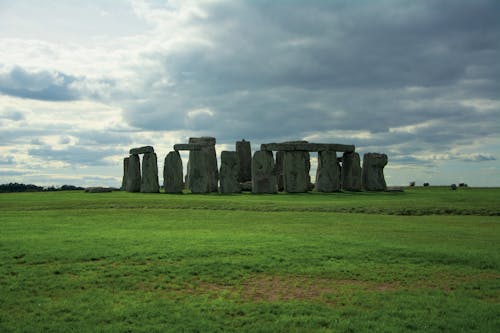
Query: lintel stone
(142,150)
(190,146)
(303,146)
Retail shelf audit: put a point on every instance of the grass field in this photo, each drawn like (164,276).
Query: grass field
(426,260)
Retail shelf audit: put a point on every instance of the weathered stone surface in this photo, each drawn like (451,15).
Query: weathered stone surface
(246,186)
(198,174)
(211,162)
(373,172)
(125,168)
(278,170)
(328,173)
(244,152)
(190,146)
(209,140)
(263,177)
(133,174)
(306,146)
(296,167)
(229,170)
(351,172)
(142,150)
(149,180)
(172,173)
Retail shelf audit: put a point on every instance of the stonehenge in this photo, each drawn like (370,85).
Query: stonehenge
(296,171)
(278,170)
(149,179)
(125,171)
(141,150)
(351,172)
(373,172)
(209,149)
(263,174)
(202,173)
(172,173)
(328,173)
(306,146)
(133,174)
(229,172)
(147,182)
(287,170)
(244,153)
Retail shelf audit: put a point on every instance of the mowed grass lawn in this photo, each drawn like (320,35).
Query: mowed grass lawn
(426,260)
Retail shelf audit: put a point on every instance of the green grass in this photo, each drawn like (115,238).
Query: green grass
(427,260)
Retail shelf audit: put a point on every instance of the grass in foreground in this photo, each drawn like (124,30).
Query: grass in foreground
(133,262)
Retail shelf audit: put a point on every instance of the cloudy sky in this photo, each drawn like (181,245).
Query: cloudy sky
(81,82)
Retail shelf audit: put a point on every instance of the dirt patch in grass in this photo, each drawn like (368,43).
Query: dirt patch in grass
(280,288)
(272,288)
(268,288)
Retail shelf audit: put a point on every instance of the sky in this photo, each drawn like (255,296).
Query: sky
(82,82)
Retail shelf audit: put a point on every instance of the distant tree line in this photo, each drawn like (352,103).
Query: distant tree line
(16,187)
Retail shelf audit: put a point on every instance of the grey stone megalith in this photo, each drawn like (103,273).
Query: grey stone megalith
(373,172)
(278,170)
(211,161)
(351,172)
(134,174)
(149,180)
(229,171)
(141,150)
(198,175)
(244,153)
(296,171)
(172,173)
(125,170)
(328,172)
(263,177)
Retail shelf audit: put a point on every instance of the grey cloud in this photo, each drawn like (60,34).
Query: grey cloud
(92,139)
(75,155)
(7,160)
(479,158)
(51,85)
(98,138)
(268,62)
(42,85)
(12,115)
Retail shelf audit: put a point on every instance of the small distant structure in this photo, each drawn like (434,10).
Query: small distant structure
(412,184)
(426,184)
(462,185)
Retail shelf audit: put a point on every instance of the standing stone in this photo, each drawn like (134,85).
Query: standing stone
(198,175)
(244,152)
(328,173)
(229,171)
(149,181)
(172,173)
(351,172)
(296,167)
(211,162)
(263,177)
(278,167)
(125,170)
(133,174)
(373,172)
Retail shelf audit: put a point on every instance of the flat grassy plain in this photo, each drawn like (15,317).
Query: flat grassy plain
(426,260)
